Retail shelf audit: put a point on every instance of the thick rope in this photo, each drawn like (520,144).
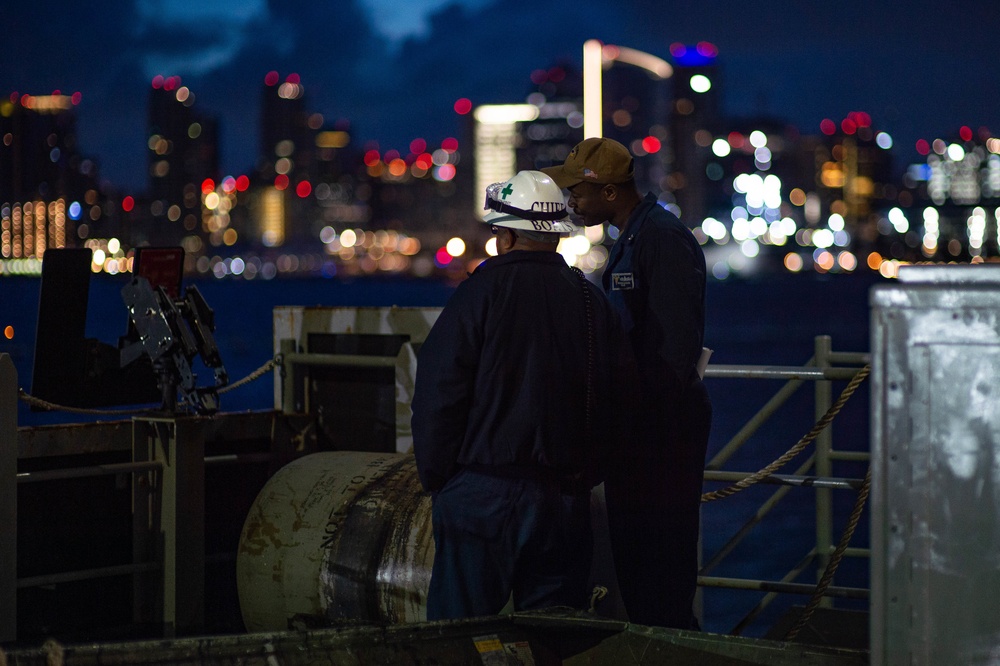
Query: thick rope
(53,407)
(831,413)
(838,554)
(256,374)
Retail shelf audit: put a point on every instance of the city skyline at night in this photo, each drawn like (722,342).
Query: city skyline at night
(922,73)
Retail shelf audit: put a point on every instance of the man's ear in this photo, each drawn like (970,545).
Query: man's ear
(610,192)
(505,239)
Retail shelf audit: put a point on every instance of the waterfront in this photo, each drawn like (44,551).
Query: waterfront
(762,322)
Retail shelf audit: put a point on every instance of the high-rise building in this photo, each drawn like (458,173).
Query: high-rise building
(183,152)
(635,90)
(285,130)
(694,116)
(43,178)
(951,201)
(286,163)
(632,108)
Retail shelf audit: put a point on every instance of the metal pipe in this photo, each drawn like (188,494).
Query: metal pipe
(8,499)
(754,520)
(824,467)
(850,358)
(341,360)
(785,588)
(130,468)
(766,600)
(755,422)
(779,372)
(851,456)
(288,378)
(238,458)
(93,470)
(87,574)
(789,480)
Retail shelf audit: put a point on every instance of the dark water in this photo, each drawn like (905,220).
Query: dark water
(769,321)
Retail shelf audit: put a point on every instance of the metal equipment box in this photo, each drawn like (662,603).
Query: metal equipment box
(354,368)
(935,437)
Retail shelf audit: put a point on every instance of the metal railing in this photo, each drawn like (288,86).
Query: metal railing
(816,472)
(153,438)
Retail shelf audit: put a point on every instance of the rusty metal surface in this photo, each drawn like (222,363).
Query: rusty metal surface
(542,638)
(105,436)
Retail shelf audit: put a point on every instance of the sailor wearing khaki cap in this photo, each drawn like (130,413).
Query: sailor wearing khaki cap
(595,160)
(655,278)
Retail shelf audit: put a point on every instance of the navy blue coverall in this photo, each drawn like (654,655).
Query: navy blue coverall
(501,434)
(655,278)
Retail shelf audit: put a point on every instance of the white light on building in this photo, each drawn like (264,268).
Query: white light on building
(496,137)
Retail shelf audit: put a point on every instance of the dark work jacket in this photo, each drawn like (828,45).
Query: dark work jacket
(655,279)
(502,376)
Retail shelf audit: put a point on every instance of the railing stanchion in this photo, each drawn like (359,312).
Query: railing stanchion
(824,467)
(8,499)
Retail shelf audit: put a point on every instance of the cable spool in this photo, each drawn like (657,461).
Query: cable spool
(334,538)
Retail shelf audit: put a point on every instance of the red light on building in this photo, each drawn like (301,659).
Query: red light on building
(128,203)
(292,78)
(539,76)
(923,147)
(736,140)
(849,126)
(707,49)
(449,145)
(424,161)
(157,82)
(242,183)
(965,132)
(418,146)
(281,182)
(860,119)
(827,127)
(651,144)
(303,189)
(463,105)
(677,49)
(445,172)
(207,185)
(372,158)
(557,74)
(271,78)
(442,257)
(391,155)
(76,98)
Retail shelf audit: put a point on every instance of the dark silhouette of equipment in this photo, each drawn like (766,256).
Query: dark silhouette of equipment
(172,332)
(70,369)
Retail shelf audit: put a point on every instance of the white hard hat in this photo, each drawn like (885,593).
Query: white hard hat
(530,201)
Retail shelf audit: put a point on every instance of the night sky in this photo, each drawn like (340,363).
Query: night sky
(394,68)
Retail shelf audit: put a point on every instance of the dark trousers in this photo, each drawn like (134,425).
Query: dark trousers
(653,500)
(494,536)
